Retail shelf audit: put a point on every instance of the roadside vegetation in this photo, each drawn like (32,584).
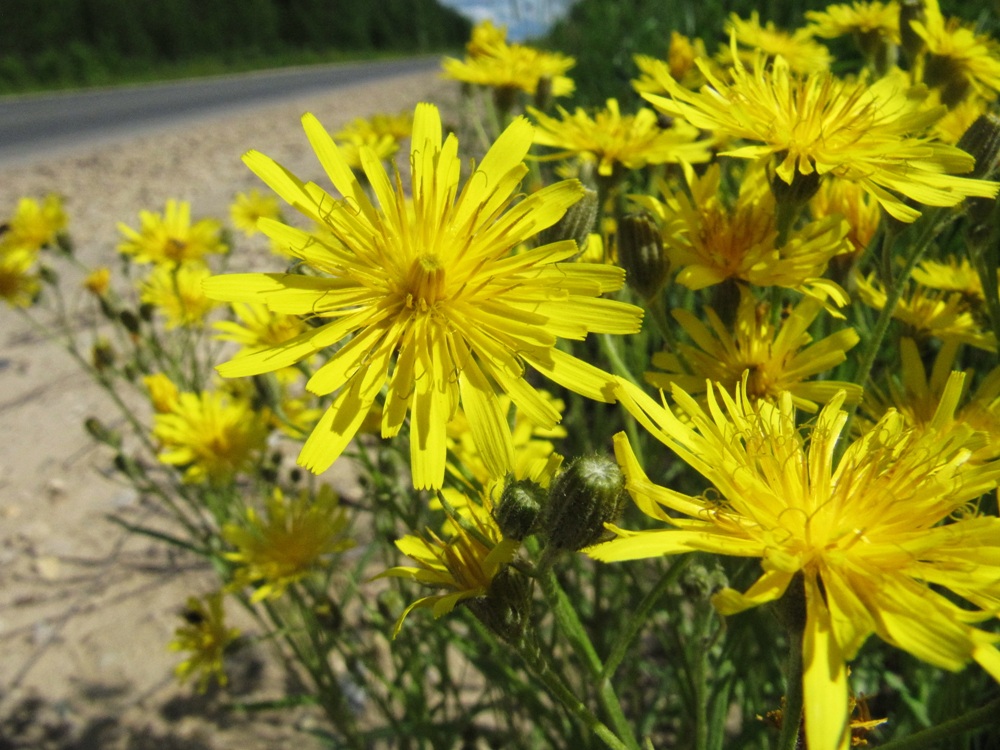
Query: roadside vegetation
(75,43)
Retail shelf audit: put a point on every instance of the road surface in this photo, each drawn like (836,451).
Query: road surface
(52,122)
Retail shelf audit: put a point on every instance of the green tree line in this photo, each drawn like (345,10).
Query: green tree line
(67,42)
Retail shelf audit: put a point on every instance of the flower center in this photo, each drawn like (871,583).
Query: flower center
(426,283)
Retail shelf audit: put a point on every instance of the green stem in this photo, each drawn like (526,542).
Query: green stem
(532,656)
(949,730)
(640,614)
(571,627)
(791,715)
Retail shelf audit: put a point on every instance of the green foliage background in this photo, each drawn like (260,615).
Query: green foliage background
(84,42)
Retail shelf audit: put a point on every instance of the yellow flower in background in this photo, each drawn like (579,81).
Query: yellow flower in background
(798,49)
(867,21)
(34,224)
(775,361)
(163,392)
(682,55)
(614,141)
(205,635)
(958,120)
(514,67)
(820,126)
(432,303)
(98,281)
(849,200)
(170,237)
(211,436)
(464,566)
(19,283)
(958,60)
(710,241)
(873,540)
(930,313)
(177,292)
(486,39)
(257,328)
(294,538)
(951,275)
(918,396)
(247,208)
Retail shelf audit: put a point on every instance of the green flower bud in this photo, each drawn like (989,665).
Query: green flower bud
(520,505)
(131,322)
(506,608)
(911,42)
(576,224)
(102,434)
(641,254)
(982,141)
(590,493)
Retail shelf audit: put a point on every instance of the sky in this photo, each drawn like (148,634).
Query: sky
(523,18)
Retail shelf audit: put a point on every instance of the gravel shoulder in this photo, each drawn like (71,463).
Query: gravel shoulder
(86,610)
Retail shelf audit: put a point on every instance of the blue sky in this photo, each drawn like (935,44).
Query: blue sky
(523,18)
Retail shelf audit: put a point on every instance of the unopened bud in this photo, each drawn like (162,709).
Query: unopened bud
(130,321)
(102,434)
(576,224)
(519,508)
(590,493)
(102,356)
(48,275)
(506,608)
(641,254)
(982,141)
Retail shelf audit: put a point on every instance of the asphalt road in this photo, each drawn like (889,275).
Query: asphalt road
(49,122)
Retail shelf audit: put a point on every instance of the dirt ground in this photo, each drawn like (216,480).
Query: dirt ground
(87,610)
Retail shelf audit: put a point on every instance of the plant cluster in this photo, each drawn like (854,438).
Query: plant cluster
(683,422)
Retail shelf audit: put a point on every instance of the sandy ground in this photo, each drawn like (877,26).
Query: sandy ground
(86,610)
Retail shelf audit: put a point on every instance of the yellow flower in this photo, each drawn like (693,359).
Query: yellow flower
(293,541)
(35,225)
(682,55)
(258,329)
(247,208)
(931,313)
(918,397)
(18,280)
(163,393)
(820,126)
(177,292)
(711,242)
(775,361)
(872,540)
(848,199)
(867,21)
(799,51)
(951,127)
(170,237)
(210,435)
(958,60)
(614,141)
(464,565)
(97,281)
(514,67)
(486,39)
(205,635)
(951,275)
(433,304)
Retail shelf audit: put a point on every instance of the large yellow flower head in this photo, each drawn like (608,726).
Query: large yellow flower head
(294,538)
(958,59)
(776,360)
(614,141)
(799,50)
(869,133)
(432,302)
(211,436)
(710,241)
(170,237)
(248,208)
(872,539)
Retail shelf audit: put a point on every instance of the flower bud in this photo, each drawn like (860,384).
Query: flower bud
(982,141)
(911,42)
(641,254)
(506,608)
(130,321)
(576,224)
(590,493)
(102,355)
(102,434)
(520,505)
